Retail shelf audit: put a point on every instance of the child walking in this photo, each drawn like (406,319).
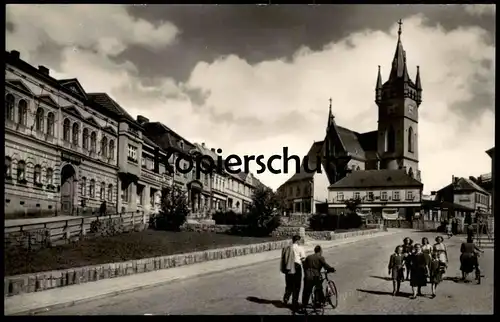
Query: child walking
(437,268)
(407,252)
(396,269)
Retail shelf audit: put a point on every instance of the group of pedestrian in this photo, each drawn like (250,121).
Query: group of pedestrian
(422,263)
(293,262)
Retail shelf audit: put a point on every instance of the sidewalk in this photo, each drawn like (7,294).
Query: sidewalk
(29,303)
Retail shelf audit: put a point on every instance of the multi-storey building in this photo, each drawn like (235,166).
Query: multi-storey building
(68,151)
(465,192)
(388,194)
(60,146)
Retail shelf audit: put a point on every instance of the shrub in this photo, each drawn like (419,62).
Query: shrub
(174,210)
(230,218)
(320,222)
(263,217)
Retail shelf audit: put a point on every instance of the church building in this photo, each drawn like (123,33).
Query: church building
(386,159)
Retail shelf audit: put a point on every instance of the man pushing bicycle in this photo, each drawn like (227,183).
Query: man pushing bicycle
(313,264)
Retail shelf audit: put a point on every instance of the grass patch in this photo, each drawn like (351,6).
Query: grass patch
(120,248)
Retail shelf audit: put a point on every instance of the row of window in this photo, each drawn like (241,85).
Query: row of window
(75,139)
(482,199)
(49,128)
(22,110)
(307,191)
(21,172)
(91,189)
(383,195)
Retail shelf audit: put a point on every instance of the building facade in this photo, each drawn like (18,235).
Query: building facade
(387,194)
(61,148)
(68,151)
(465,192)
(393,146)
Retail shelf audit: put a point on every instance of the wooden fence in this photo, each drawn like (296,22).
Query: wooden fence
(54,231)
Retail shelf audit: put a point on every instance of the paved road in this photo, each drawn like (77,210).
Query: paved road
(361,280)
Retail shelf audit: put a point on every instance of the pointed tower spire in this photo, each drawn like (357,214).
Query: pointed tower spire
(331,118)
(399,69)
(418,84)
(378,87)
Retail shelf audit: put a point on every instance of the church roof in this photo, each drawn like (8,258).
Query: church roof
(351,143)
(376,179)
(314,151)
(368,140)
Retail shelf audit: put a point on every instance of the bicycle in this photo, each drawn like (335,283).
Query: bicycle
(321,299)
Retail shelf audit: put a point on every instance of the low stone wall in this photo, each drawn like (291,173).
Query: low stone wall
(284,231)
(296,220)
(207,228)
(36,282)
(54,232)
(331,235)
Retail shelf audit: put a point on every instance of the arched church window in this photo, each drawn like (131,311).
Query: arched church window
(410,139)
(410,172)
(390,139)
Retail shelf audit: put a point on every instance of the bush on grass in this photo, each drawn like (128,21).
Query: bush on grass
(174,210)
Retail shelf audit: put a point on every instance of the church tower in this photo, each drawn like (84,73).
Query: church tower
(398,101)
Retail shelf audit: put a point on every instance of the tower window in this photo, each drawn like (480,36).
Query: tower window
(390,139)
(410,139)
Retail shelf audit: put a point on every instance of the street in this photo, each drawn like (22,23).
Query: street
(361,280)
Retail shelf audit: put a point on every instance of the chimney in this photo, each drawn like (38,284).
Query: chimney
(212,149)
(455,180)
(141,119)
(44,70)
(202,144)
(15,54)
(433,193)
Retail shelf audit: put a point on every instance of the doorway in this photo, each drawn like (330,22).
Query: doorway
(68,176)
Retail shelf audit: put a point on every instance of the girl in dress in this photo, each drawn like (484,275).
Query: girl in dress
(427,250)
(419,271)
(407,251)
(437,269)
(396,269)
(440,248)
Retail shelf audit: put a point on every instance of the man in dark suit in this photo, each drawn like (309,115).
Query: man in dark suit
(313,265)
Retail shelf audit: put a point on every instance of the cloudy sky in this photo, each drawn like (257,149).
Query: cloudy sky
(252,79)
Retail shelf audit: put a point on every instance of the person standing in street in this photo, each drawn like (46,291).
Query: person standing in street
(291,265)
(312,274)
(396,269)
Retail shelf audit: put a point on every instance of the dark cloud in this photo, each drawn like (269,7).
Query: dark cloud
(258,33)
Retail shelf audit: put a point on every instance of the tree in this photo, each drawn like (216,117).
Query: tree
(281,203)
(352,205)
(263,217)
(174,209)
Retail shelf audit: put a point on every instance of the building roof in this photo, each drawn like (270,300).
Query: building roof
(13,58)
(376,179)
(351,143)
(166,138)
(491,152)
(463,185)
(110,104)
(368,141)
(314,151)
(444,205)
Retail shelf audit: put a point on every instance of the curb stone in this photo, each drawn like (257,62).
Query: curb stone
(45,308)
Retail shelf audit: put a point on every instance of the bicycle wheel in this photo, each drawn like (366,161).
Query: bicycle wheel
(331,294)
(318,307)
